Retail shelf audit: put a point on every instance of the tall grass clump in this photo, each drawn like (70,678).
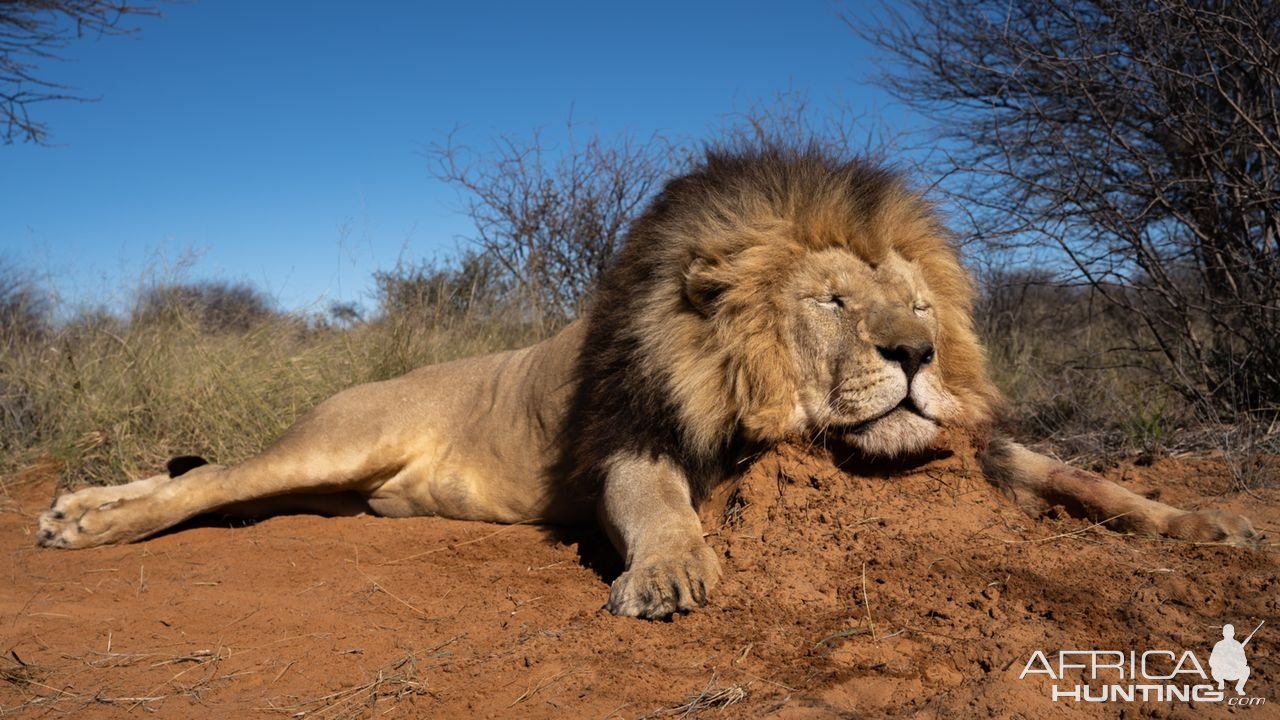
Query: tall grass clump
(213,369)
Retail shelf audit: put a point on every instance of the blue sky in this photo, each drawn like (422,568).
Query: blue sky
(282,143)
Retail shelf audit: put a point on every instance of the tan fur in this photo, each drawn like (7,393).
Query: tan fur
(758,298)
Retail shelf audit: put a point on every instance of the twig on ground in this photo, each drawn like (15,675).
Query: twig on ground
(866,602)
(1059,536)
(379,586)
(394,680)
(451,546)
(709,697)
(541,685)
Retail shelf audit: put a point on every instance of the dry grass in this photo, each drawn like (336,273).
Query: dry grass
(392,682)
(15,671)
(199,671)
(107,399)
(1082,380)
(712,697)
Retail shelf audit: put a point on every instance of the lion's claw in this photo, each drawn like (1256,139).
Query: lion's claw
(56,531)
(663,587)
(81,519)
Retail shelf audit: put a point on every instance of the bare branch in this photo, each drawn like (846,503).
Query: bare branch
(1138,142)
(33,32)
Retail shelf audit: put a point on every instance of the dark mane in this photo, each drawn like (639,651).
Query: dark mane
(770,203)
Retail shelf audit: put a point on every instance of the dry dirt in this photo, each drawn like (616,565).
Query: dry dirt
(920,594)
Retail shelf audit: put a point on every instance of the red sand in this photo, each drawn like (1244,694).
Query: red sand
(922,595)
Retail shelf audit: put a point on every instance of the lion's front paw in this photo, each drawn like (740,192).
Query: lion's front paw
(659,587)
(78,520)
(1212,526)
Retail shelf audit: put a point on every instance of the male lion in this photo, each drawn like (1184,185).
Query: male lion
(762,296)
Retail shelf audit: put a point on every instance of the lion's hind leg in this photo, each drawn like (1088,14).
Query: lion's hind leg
(285,478)
(262,486)
(1038,483)
(123,513)
(339,504)
(61,525)
(340,448)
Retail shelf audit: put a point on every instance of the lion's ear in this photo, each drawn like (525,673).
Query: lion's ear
(703,285)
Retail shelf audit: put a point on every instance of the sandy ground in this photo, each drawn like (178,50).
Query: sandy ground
(923,594)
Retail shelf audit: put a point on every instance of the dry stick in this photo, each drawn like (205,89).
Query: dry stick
(544,683)
(135,700)
(1060,536)
(615,711)
(378,585)
(866,602)
(451,546)
(837,635)
(214,658)
(239,620)
(342,698)
(359,693)
(281,673)
(321,699)
(60,692)
(198,656)
(721,698)
(709,697)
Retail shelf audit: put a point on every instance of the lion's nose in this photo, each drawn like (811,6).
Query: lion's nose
(910,357)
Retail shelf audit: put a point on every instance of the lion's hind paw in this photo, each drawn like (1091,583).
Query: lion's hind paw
(80,519)
(58,530)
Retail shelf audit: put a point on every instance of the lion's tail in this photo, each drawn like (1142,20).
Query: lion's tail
(1017,472)
(1037,483)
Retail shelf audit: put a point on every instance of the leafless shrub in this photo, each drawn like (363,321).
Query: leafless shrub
(788,119)
(24,308)
(343,313)
(25,312)
(473,284)
(1139,143)
(216,306)
(1061,353)
(551,220)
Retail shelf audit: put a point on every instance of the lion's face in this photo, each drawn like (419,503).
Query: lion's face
(787,296)
(864,340)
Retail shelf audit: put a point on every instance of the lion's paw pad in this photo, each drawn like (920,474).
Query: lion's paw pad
(661,588)
(77,520)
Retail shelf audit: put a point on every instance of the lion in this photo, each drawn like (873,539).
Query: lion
(765,295)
